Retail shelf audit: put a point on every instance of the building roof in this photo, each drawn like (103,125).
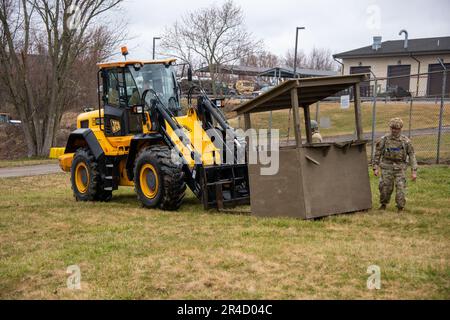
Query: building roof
(309,91)
(423,46)
(237,70)
(286,72)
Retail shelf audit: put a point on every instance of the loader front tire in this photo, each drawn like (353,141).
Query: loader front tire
(86,178)
(158,181)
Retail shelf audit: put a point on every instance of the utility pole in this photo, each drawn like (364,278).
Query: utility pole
(296,46)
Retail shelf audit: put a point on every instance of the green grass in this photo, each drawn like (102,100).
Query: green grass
(426,146)
(127,252)
(26,162)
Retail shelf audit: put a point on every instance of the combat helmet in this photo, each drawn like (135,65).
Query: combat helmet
(314,126)
(396,123)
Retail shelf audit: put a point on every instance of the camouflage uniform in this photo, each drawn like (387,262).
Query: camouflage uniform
(316,136)
(391,156)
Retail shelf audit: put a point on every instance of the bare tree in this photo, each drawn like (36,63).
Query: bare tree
(262,59)
(40,41)
(289,59)
(321,59)
(216,35)
(103,41)
(317,59)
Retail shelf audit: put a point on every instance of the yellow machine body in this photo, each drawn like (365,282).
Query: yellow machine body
(138,137)
(119,146)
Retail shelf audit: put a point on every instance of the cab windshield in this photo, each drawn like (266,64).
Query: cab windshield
(159,77)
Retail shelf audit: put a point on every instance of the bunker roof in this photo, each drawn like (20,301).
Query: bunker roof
(309,91)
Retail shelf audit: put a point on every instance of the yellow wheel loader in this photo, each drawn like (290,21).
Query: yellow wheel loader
(139,138)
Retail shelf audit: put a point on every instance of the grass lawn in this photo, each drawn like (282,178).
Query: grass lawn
(426,146)
(26,162)
(127,252)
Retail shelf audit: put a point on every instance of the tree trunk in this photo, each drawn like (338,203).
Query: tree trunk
(31,145)
(212,74)
(49,136)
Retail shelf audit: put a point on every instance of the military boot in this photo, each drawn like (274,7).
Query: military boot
(399,210)
(382,207)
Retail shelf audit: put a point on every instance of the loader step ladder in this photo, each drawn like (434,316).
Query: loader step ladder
(108,184)
(225,186)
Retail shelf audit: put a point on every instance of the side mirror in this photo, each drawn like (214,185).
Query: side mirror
(189,74)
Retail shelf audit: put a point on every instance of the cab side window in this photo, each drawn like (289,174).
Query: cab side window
(120,94)
(133,95)
(113,88)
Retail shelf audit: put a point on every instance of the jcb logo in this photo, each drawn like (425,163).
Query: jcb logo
(374,280)
(115,126)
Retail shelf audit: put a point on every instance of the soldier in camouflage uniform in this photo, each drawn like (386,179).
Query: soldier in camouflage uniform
(391,156)
(316,136)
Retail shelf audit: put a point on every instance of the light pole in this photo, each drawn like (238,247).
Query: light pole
(295,54)
(154,40)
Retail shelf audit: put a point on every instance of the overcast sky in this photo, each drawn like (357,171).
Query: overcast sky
(338,25)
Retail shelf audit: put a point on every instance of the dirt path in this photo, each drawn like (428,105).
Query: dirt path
(29,170)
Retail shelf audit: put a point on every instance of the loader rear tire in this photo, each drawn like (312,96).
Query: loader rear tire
(158,181)
(86,178)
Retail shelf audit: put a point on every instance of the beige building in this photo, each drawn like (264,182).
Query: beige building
(398,65)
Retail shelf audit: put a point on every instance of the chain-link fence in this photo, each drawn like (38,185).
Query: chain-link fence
(422,101)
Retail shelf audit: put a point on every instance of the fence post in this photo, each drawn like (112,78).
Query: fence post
(317,111)
(374,118)
(410,116)
(270,125)
(441,112)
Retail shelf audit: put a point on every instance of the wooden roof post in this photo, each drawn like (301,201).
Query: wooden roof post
(358,121)
(295,111)
(247,121)
(248,138)
(307,123)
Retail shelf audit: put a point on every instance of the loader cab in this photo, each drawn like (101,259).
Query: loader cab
(121,88)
